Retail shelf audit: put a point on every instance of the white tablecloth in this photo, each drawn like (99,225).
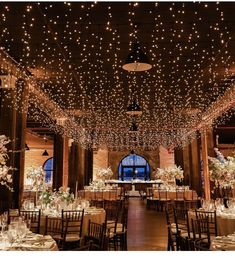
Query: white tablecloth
(32,242)
(225,243)
(225,223)
(94,214)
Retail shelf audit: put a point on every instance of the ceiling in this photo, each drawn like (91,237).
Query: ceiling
(75,52)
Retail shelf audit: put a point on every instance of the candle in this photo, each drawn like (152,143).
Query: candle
(76,190)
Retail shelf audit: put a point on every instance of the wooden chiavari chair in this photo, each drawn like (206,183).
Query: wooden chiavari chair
(34,217)
(74,228)
(201,233)
(57,229)
(212,220)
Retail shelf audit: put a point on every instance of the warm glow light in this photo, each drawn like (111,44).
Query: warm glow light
(74,59)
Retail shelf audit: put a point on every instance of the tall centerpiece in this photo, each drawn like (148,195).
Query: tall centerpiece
(101,175)
(222,170)
(104,173)
(36,180)
(169,174)
(5,171)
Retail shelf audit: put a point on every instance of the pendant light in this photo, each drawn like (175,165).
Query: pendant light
(134,109)
(137,60)
(45,153)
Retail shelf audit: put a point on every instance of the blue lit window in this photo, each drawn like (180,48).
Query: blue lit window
(48,168)
(134,166)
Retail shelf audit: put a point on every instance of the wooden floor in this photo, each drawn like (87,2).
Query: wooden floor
(146,228)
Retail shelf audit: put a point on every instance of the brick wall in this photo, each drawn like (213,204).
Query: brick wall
(166,157)
(159,158)
(100,160)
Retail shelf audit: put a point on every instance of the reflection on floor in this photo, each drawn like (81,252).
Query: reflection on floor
(146,228)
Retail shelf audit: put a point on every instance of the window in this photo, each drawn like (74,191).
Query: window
(48,168)
(134,166)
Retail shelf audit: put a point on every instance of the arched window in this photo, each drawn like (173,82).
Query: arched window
(48,168)
(134,166)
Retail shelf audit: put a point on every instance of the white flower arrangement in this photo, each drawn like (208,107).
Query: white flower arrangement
(169,174)
(104,174)
(64,195)
(222,170)
(5,171)
(54,198)
(36,178)
(97,184)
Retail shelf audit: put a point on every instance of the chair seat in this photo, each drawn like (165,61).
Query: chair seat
(185,234)
(173,228)
(120,229)
(153,199)
(72,238)
(57,237)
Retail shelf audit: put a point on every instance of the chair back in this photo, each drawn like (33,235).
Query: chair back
(81,194)
(180,194)
(169,211)
(211,215)
(194,195)
(113,194)
(201,230)
(97,203)
(182,221)
(96,235)
(57,229)
(75,221)
(162,194)
(149,192)
(99,195)
(13,213)
(113,204)
(34,217)
(124,217)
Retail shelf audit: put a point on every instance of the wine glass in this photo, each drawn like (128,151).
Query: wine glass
(202,202)
(28,225)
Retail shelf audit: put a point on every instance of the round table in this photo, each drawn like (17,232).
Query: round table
(32,242)
(94,214)
(225,222)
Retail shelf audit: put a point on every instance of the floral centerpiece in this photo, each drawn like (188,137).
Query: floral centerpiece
(36,178)
(104,174)
(169,174)
(64,195)
(55,198)
(5,171)
(97,184)
(222,170)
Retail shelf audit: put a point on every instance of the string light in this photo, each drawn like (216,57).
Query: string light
(75,52)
